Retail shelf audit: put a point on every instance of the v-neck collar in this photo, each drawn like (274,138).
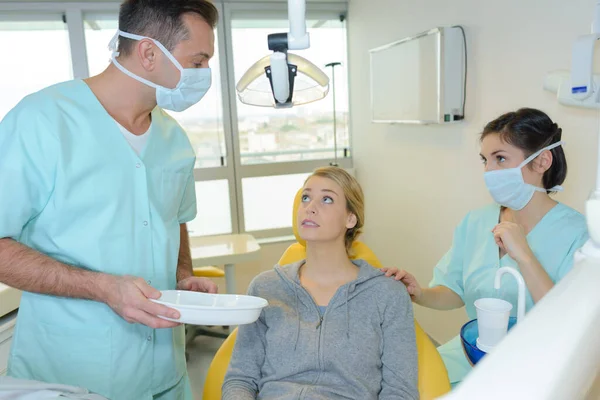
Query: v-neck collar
(115,133)
(531,233)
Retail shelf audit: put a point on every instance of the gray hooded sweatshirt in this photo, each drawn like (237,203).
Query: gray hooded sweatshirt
(363,346)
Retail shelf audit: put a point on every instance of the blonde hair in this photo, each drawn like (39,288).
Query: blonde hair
(355,200)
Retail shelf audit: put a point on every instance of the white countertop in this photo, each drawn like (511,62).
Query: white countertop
(223,249)
(9,299)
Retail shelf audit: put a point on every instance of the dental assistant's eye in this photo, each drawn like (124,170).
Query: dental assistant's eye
(501,159)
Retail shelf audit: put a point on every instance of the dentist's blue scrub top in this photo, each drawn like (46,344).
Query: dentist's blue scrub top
(73,188)
(469,267)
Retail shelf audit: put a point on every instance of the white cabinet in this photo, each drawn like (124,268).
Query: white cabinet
(7,326)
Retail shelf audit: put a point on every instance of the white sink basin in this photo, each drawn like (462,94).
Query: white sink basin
(9,299)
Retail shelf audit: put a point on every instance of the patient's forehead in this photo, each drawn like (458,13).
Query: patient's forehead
(319,184)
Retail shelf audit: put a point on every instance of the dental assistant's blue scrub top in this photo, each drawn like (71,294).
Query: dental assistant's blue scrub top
(73,189)
(469,267)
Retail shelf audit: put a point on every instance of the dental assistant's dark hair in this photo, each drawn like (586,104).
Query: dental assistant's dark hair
(531,130)
(161,20)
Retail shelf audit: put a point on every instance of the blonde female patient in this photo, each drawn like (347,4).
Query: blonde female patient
(335,328)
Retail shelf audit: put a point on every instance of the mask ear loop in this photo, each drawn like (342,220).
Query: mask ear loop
(157,43)
(540,151)
(112,46)
(556,188)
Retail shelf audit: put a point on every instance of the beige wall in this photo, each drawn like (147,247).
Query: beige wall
(420,181)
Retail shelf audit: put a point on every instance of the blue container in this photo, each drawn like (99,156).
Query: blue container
(468,336)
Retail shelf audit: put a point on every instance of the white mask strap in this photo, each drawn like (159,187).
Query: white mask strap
(537,153)
(126,72)
(556,188)
(113,46)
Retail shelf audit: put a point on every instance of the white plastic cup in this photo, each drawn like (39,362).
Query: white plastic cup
(492,320)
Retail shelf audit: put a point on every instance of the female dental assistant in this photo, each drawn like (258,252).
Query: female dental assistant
(526,229)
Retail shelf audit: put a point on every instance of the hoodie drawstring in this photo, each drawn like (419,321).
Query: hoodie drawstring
(298,318)
(347,312)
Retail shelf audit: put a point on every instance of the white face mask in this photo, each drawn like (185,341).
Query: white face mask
(192,86)
(508,188)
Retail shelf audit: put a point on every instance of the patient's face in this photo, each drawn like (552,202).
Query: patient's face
(322,214)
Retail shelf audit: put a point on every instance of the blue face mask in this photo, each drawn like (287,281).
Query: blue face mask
(508,188)
(192,86)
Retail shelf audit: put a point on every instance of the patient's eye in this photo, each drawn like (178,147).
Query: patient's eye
(305,198)
(327,200)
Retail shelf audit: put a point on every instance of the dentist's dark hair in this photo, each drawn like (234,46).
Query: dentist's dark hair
(161,20)
(531,130)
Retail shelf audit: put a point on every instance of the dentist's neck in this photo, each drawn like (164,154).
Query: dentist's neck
(327,261)
(128,101)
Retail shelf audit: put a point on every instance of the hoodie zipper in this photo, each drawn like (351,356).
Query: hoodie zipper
(321,318)
(319,324)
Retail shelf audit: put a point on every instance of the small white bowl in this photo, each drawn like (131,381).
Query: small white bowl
(197,308)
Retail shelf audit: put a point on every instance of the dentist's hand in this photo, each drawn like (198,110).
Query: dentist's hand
(411,283)
(511,238)
(129,297)
(197,284)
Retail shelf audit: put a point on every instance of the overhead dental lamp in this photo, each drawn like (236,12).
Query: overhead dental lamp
(282,79)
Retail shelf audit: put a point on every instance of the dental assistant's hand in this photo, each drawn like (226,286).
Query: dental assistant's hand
(411,283)
(511,238)
(197,284)
(129,297)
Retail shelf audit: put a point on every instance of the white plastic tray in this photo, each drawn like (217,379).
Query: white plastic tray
(198,308)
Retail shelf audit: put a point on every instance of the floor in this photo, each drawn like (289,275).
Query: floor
(201,352)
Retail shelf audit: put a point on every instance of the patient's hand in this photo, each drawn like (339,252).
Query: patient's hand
(413,287)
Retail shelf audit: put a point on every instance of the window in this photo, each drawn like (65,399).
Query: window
(279,148)
(303,132)
(214,213)
(35,54)
(250,160)
(268,200)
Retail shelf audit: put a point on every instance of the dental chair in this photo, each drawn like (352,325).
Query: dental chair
(433,377)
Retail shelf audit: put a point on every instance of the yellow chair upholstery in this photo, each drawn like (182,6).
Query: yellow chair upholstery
(218,368)
(209,272)
(433,376)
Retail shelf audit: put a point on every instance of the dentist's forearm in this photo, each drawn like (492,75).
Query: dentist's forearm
(536,278)
(184,262)
(26,269)
(439,298)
